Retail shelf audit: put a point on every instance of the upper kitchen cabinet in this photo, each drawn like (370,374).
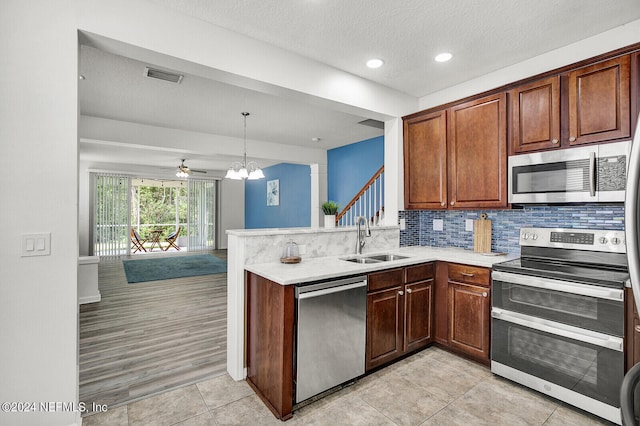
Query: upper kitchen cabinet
(456,157)
(425,161)
(599,102)
(535,115)
(477,153)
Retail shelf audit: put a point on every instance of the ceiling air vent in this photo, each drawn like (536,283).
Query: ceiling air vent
(162,75)
(372,123)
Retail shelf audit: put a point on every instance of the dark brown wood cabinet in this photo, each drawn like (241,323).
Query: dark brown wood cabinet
(269,344)
(535,115)
(599,101)
(469,310)
(457,158)
(399,313)
(632,330)
(477,153)
(425,161)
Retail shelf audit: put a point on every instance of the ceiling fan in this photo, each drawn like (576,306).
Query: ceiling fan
(185,171)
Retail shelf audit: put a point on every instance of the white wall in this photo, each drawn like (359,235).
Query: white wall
(231,209)
(39,144)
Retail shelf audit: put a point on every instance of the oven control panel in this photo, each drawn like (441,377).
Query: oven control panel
(580,239)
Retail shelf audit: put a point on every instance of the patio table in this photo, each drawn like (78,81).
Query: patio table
(155,239)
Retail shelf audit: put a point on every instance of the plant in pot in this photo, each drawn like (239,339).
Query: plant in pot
(330,208)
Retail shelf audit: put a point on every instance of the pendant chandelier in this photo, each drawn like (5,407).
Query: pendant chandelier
(244,170)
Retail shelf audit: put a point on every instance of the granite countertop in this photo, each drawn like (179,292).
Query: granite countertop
(320,268)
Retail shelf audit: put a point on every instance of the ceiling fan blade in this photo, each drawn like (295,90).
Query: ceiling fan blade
(198,171)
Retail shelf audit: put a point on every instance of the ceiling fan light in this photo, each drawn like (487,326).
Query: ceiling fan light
(182,174)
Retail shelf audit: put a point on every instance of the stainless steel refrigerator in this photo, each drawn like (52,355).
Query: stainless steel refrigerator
(630,391)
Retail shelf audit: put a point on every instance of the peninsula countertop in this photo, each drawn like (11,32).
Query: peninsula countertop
(321,268)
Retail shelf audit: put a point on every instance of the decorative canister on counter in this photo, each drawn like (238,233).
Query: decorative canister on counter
(291,253)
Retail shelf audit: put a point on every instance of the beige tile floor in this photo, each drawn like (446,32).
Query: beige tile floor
(432,387)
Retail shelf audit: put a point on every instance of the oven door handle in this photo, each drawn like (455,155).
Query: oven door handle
(564,330)
(564,286)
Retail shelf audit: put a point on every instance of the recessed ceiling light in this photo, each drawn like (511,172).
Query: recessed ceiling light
(315,139)
(375,63)
(443,57)
(81,77)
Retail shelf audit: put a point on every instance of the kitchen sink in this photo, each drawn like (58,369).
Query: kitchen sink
(386,257)
(374,258)
(361,260)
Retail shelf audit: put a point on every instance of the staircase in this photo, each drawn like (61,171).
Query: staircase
(368,202)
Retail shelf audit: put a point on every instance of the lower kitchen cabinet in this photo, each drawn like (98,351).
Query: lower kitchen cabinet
(399,312)
(269,344)
(632,331)
(469,310)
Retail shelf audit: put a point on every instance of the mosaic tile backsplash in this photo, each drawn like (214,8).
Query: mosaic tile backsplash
(505,224)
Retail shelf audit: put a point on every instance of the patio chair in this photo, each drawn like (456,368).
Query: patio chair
(171,239)
(137,242)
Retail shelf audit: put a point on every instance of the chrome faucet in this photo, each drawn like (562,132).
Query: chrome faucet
(362,233)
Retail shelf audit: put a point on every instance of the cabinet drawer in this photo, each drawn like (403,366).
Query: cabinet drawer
(385,279)
(419,272)
(469,274)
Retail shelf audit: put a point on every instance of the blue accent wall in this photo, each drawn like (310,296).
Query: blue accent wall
(505,224)
(295,198)
(349,167)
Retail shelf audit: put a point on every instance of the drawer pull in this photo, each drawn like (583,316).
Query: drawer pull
(409,291)
(466,274)
(401,292)
(484,294)
(637,328)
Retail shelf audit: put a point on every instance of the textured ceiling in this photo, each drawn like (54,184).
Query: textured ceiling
(482,35)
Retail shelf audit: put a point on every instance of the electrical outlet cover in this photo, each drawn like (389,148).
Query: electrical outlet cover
(438,224)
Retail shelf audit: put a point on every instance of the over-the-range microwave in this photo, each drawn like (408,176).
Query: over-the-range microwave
(596,173)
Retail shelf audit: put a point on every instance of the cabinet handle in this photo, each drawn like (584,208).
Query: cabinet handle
(466,274)
(401,292)
(637,328)
(409,291)
(484,294)
(452,203)
(443,204)
(572,139)
(554,141)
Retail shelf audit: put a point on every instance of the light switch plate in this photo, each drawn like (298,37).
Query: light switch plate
(438,224)
(468,225)
(36,244)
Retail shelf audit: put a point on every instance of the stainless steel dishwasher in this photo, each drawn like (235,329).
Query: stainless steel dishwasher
(330,334)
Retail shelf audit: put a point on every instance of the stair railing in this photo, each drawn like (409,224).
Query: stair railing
(368,202)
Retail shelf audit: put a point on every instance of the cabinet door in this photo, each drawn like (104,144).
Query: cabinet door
(384,326)
(632,331)
(425,161)
(469,320)
(599,102)
(477,153)
(535,115)
(418,315)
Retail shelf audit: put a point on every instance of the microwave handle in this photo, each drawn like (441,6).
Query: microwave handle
(592,173)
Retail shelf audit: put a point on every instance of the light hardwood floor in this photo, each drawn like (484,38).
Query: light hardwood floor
(145,338)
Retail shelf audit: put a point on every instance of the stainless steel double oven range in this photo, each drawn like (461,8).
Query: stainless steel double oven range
(558,316)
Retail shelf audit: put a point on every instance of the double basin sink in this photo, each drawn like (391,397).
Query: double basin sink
(374,258)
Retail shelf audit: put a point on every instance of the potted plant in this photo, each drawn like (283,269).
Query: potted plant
(330,208)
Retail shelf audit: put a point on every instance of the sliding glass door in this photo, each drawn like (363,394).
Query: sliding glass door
(114,217)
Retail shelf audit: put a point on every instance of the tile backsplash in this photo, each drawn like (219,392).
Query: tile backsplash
(506,224)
